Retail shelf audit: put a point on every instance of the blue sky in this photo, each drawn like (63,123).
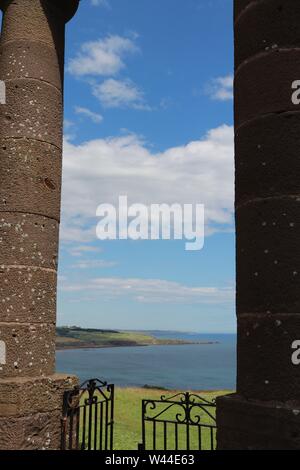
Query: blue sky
(148,114)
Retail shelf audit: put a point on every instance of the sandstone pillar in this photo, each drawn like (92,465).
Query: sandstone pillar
(265,412)
(31,65)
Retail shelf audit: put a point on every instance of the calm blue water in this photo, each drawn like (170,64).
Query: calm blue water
(197,367)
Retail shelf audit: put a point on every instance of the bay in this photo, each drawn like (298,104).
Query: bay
(181,367)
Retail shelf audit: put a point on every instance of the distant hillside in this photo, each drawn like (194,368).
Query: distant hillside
(75,337)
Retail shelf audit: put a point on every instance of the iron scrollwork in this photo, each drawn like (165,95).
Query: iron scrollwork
(186,401)
(182,410)
(88,416)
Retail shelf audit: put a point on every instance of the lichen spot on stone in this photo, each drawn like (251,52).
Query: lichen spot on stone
(2,353)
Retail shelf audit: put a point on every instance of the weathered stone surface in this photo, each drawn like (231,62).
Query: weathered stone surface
(40,431)
(268,257)
(254,425)
(32,20)
(27,292)
(31,64)
(28,240)
(255,33)
(266,413)
(29,59)
(30,178)
(265,367)
(33,110)
(266,150)
(21,396)
(264,85)
(30,349)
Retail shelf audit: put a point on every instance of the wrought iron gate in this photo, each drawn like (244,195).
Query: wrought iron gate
(88,417)
(184,421)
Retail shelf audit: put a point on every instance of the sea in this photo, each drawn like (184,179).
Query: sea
(178,367)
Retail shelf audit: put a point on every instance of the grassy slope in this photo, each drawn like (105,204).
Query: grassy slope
(128,405)
(97,338)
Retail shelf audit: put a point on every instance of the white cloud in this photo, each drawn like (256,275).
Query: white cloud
(102,57)
(102,3)
(80,250)
(95,117)
(152,291)
(98,171)
(76,231)
(68,124)
(69,129)
(93,263)
(221,88)
(120,94)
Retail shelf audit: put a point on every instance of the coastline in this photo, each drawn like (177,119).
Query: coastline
(90,338)
(72,346)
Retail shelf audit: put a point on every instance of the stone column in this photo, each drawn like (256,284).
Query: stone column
(265,411)
(31,66)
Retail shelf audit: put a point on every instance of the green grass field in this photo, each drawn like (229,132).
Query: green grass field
(128,420)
